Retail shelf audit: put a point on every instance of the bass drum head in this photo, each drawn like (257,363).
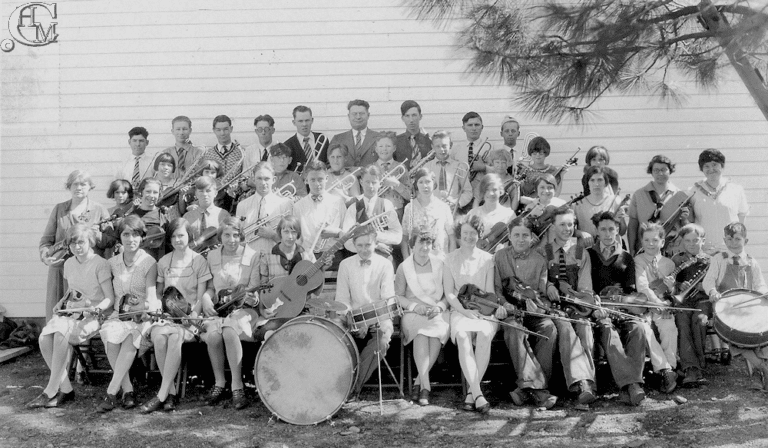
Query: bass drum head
(741,318)
(306,369)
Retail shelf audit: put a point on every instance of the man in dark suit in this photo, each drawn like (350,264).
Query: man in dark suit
(359,141)
(305,143)
(412,144)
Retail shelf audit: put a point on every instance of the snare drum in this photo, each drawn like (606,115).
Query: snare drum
(741,318)
(374,313)
(305,371)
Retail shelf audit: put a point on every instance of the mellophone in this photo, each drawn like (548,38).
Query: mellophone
(305,371)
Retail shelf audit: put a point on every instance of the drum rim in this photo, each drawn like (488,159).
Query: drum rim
(354,353)
(729,333)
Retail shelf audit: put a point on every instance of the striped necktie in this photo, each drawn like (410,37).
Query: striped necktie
(414,149)
(358,140)
(135,176)
(470,152)
(182,159)
(562,273)
(307,149)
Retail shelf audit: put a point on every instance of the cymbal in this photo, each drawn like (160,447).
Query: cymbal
(326,305)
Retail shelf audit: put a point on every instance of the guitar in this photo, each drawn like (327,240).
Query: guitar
(229,300)
(289,293)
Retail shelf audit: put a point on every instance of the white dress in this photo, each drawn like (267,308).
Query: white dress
(479,272)
(430,294)
(129,280)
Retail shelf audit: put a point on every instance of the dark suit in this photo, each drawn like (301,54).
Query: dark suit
(403,147)
(297,150)
(365,156)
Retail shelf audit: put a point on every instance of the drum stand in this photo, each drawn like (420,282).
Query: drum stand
(394,378)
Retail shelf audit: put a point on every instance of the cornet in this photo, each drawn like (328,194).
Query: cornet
(346,182)
(397,172)
(462,171)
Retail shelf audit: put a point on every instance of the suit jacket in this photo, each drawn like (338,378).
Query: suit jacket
(403,147)
(365,156)
(297,151)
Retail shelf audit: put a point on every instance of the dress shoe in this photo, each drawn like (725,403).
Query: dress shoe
(170,403)
(60,399)
(424,397)
(415,394)
(482,408)
(692,377)
(543,399)
(215,397)
(152,405)
(636,394)
(587,393)
(468,406)
(725,356)
(239,400)
(129,400)
(109,403)
(39,401)
(668,381)
(519,396)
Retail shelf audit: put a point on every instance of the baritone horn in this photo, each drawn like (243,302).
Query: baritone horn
(287,191)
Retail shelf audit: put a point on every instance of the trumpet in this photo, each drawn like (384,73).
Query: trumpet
(397,172)
(346,181)
(261,223)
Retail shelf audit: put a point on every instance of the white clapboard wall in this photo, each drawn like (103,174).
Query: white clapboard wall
(118,65)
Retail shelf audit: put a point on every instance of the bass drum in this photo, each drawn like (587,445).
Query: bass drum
(305,371)
(741,318)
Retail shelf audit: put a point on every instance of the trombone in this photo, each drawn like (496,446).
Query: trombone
(346,181)
(462,170)
(424,160)
(260,223)
(315,154)
(397,172)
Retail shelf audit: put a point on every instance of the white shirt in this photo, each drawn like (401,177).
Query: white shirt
(462,191)
(358,285)
(255,152)
(125,170)
(331,211)
(273,205)
(362,132)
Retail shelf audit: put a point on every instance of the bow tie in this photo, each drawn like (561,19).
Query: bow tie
(337,173)
(442,162)
(365,262)
(317,197)
(519,255)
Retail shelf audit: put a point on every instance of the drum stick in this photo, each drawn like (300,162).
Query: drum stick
(741,305)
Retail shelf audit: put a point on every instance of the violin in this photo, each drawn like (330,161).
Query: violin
(547,218)
(496,235)
(59,252)
(583,297)
(206,239)
(130,308)
(176,306)
(473,298)
(230,299)
(154,238)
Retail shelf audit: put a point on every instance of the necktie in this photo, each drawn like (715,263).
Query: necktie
(135,177)
(442,184)
(655,268)
(223,149)
(607,251)
(307,149)
(365,262)
(358,140)
(264,154)
(203,221)
(742,274)
(182,159)
(385,167)
(562,273)
(470,152)
(261,207)
(414,149)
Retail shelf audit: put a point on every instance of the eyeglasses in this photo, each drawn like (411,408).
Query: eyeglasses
(660,170)
(263,130)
